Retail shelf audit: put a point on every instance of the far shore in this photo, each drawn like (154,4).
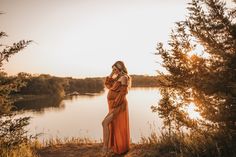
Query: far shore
(31,97)
(19,97)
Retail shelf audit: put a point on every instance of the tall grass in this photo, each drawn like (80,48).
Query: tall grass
(29,148)
(195,144)
(72,140)
(178,144)
(23,150)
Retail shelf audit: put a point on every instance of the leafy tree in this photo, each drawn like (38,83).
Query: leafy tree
(201,65)
(7,84)
(12,132)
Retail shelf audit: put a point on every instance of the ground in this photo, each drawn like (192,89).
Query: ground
(95,150)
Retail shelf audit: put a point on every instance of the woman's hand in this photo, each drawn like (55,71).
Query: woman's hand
(112,73)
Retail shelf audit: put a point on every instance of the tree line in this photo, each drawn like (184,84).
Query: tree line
(145,81)
(45,84)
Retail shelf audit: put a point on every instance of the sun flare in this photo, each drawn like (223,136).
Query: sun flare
(192,111)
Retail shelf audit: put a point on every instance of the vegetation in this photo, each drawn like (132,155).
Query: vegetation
(13,137)
(44,85)
(145,81)
(201,61)
(56,87)
(87,85)
(201,64)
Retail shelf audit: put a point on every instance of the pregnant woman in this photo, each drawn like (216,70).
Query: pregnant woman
(116,133)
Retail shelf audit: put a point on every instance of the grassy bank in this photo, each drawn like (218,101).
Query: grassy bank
(86,148)
(176,145)
(75,147)
(219,144)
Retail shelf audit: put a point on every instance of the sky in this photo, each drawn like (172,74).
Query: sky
(83,38)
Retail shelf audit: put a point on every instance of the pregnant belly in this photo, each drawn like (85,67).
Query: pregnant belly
(112,95)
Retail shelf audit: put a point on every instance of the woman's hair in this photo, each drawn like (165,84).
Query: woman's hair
(122,68)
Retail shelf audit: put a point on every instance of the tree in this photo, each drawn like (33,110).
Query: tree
(12,132)
(8,85)
(201,65)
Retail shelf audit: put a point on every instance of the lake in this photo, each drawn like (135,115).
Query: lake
(81,116)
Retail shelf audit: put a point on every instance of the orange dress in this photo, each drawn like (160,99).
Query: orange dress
(119,140)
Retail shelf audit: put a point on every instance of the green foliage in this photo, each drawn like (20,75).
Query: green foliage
(201,65)
(87,85)
(58,87)
(43,85)
(174,117)
(144,81)
(8,85)
(12,133)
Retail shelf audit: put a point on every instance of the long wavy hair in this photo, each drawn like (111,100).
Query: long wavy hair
(122,68)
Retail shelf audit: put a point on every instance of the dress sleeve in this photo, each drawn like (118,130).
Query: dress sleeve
(122,92)
(109,82)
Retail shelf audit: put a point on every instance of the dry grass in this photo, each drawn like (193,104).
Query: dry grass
(72,140)
(219,144)
(163,145)
(23,150)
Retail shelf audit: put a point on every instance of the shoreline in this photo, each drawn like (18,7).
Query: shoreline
(28,97)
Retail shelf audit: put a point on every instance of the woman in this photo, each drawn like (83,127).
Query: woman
(116,133)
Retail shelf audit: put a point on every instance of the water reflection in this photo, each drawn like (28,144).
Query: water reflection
(86,95)
(81,116)
(39,105)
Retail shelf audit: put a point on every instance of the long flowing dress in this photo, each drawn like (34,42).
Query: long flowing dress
(119,139)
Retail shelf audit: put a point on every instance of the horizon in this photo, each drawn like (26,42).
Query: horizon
(74,77)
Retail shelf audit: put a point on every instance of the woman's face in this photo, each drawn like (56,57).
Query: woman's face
(115,70)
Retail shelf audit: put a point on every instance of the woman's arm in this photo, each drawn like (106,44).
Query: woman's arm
(109,82)
(122,92)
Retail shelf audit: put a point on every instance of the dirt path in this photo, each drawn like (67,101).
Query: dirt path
(92,150)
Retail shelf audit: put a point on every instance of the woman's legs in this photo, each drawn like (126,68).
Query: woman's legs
(106,132)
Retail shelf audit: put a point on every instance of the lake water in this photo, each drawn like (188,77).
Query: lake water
(81,116)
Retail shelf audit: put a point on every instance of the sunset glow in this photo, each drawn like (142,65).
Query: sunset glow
(192,111)
(84,38)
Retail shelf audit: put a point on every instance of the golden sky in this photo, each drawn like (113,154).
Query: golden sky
(83,38)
